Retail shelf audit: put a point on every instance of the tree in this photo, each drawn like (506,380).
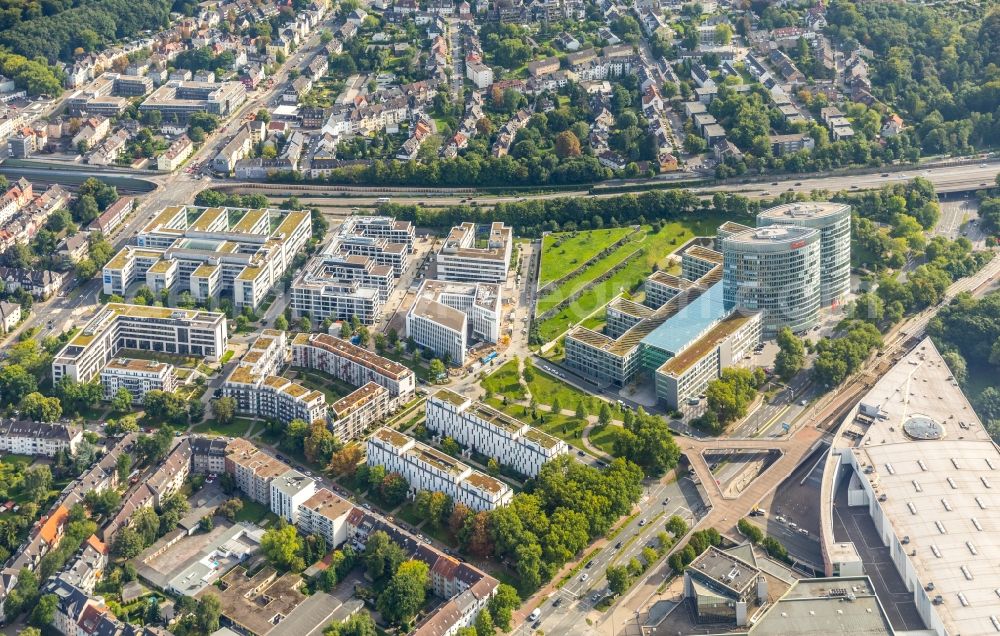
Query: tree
(281,323)
(484,624)
(45,610)
(393,489)
(15,383)
(127,543)
(320,444)
(567,145)
(381,556)
(791,355)
(604,416)
(436,369)
(359,624)
(123,466)
(206,523)
(345,461)
(503,604)
(618,579)
(405,594)
(207,614)
(122,402)
(224,408)
(36,481)
(282,546)
(581,411)
(750,531)
(450,446)
(723,33)
(39,408)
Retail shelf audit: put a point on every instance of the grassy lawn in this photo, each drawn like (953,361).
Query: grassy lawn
(586,277)
(330,386)
(656,247)
(546,389)
(505,381)
(573,249)
(255,513)
(408,513)
(237,428)
(595,322)
(603,437)
(17,460)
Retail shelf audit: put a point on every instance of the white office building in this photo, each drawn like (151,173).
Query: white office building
(461,260)
(425,468)
(116,326)
(485,430)
(446,316)
(687,374)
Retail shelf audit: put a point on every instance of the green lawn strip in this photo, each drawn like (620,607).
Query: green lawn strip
(579,566)
(505,381)
(658,247)
(586,277)
(595,322)
(572,251)
(237,428)
(440,534)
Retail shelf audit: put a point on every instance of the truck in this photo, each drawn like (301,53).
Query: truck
(488,357)
(382,200)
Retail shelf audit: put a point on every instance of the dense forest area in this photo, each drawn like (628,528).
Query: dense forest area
(939,65)
(60,29)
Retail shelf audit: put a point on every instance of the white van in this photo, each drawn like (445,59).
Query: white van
(535,614)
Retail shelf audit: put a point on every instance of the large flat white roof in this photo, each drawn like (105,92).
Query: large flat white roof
(940,497)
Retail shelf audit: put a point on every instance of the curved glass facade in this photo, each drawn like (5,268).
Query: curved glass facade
(775,270)
(833,220)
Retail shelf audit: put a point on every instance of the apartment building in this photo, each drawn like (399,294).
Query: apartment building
(288,491)
(118,326)
(38,438)
(138,377)
(460,259)
(697,261)
(352,364)
(273,396)
(253,469)
(425,468)
(485,430)
(351,416)
(208,454)
(212,250)
(446,315)
(324,513)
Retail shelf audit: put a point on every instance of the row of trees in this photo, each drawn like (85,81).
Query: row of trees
(968,332)
(729,397)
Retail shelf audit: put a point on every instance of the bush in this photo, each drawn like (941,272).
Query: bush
(753,534)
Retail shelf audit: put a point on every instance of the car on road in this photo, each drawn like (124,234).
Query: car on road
(798,183)
(584,577)
(595,598)
(588,565)
(536,624)
(557,602)
(642,522)
(885,174)
(580,453)
(803,402)
(533,616)
(666,501)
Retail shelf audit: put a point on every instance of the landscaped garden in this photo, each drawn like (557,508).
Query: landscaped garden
(562,252)
(238,427)
(653,248)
